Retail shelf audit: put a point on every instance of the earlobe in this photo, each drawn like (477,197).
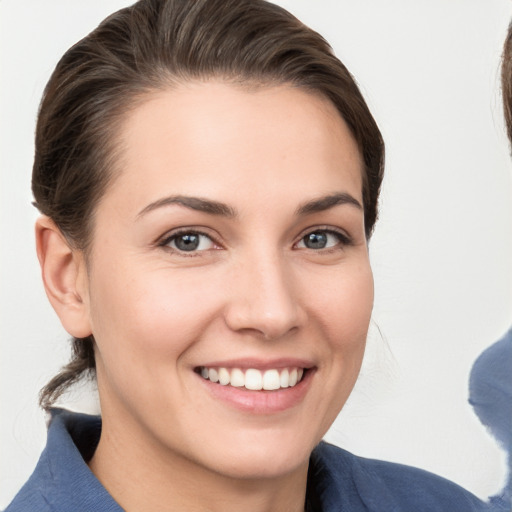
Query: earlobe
(64,277)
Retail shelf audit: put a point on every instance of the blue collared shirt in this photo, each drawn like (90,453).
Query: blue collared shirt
(337,480)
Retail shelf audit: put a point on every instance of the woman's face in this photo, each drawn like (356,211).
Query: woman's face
(231,246)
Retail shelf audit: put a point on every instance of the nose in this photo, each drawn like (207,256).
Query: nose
(264,298)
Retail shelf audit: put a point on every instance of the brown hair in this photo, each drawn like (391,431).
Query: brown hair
(506,82)
(152,45)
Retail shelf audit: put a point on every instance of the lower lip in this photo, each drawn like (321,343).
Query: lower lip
(261,402)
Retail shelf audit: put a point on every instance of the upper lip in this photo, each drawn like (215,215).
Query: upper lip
(260,364)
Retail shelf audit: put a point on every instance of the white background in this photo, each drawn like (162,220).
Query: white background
(441,253)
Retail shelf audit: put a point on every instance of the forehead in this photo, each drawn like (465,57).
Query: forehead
(215,138)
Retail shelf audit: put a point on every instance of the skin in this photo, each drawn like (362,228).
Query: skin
(253,290)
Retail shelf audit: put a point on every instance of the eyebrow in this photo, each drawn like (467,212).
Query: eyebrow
(217,208)
(324,203)
(193,203)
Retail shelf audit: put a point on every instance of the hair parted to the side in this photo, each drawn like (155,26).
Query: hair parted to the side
(506,81)
(154,45)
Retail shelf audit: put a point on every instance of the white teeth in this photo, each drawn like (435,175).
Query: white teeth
(224,376)
(271,380)
(285,378)
(237,378)
(253,379)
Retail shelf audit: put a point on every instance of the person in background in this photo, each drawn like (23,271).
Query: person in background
(490,383)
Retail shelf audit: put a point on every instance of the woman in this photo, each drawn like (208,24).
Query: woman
(208,175)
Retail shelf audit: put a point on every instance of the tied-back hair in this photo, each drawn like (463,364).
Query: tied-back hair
(506,82)
(155,45)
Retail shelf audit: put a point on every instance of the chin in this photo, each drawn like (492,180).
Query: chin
(262,455)
(257,465)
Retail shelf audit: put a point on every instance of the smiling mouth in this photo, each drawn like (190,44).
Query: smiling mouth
(253,379)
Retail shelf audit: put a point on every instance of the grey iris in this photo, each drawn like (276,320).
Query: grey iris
(315,240)
(188,242)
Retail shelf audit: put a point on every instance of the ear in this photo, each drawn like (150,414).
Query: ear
(64,277)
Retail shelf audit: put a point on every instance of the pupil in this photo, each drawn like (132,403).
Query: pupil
(315,240)
(187,242)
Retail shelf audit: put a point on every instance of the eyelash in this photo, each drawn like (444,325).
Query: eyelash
(343,240)
(169,238)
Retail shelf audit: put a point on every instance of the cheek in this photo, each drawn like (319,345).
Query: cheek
(343,310)
(345,307)
(153,313)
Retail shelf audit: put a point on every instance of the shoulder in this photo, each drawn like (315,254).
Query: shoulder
(32,494)
(382,486)
(62,481)
(28,499)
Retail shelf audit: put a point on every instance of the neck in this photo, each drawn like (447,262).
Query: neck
(165,480)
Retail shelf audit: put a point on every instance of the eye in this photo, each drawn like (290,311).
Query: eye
(188,241)
(322,239)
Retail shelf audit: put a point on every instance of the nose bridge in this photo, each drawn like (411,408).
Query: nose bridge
(263,296)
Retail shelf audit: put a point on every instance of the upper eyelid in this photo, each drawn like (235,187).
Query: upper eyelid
(174,233)
(327,229)
(344,241)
